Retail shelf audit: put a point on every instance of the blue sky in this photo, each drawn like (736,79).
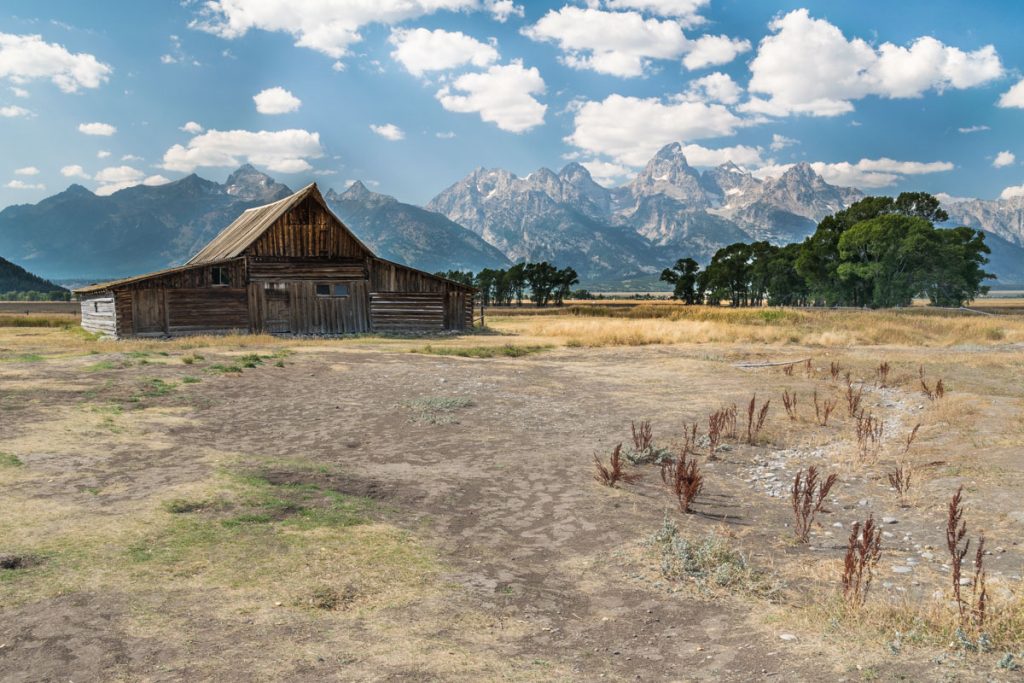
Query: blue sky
(410,95)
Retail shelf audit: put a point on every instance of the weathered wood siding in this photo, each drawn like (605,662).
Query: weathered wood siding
(293,307)
(99,314)
(307,269)
(391,277)
(399,312)
(196,277)
(458,312)
(307,231)
(215,309)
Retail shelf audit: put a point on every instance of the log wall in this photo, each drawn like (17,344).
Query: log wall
(99,315)
(400,312)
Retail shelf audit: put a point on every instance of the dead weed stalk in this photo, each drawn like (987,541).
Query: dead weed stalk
(612,473)
(823,409)
(808,498)
(863,550)
(754,426)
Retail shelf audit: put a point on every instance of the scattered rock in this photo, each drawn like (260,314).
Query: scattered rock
(889,520)
(787,636)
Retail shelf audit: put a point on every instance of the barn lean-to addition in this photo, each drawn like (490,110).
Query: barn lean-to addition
(290,267)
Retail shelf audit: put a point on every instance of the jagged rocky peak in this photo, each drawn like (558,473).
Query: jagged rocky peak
(580,190)
(729,179)
(668,173)
(250,184)
(358,192)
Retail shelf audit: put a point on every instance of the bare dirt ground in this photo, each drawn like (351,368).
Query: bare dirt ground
(353,512)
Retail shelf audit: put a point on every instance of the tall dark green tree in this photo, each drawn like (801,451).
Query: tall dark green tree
(727,276)
(683,277)
(564,280)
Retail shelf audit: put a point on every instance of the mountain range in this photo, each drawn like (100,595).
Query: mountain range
(614,237)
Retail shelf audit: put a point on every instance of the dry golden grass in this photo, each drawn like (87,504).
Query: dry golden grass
(659,323)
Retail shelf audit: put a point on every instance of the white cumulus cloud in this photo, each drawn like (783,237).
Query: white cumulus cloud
(615,43)
(22,185)
(631,129)
(973,129)
(741,155)
(713,51)
(807,66)
(12,111)
(155,180)
(102,154)
(96,128)
(327,26)
(781,142)
(114,178)
(716,87)
(1014,97)
(866,173)
(285,151)
(502,95)
(74,171)
(26,58)
(501,10)
(26,170)
(1012,191)
(420,50)
(192,128)
(687,12)
(1003,159)
(389,131)
(276,100)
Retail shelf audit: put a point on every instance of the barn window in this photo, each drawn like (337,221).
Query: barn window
(219,276)
(331,290)
(95,306)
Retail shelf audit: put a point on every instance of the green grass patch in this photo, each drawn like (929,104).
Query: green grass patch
(10,460)
(250,360)
(156,387)
(505,351)
(222,368)
(188,379)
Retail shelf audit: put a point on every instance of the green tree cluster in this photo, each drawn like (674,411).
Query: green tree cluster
(545,283)
(879,252)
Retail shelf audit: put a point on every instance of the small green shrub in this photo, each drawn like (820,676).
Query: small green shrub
(710,562)
(10,460)
(220,367)
(190,380)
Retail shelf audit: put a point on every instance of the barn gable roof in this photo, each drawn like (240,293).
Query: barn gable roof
(247,228)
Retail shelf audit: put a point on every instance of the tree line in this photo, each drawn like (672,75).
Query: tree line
(546,284)
(879,252)
(32,295)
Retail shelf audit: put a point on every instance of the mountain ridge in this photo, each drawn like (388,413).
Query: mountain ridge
(488,218)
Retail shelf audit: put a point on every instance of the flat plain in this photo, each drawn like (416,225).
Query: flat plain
(250,508)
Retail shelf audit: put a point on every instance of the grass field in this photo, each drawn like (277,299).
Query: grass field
(256,508)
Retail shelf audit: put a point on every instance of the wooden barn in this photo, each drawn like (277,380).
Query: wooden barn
(290,267)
